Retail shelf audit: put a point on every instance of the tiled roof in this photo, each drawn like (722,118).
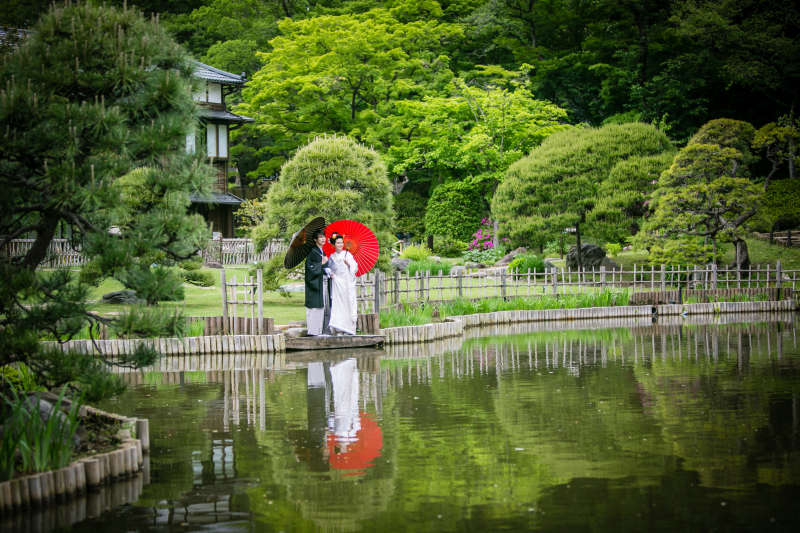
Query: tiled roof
(216,198)
(209,73)
(226,116)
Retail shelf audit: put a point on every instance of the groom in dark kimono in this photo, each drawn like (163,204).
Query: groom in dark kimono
(317,299)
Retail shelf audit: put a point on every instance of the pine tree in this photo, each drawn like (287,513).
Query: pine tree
(92,94)
(558,186)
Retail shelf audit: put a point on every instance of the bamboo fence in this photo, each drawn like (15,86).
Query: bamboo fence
(380,291)
(64,253)
(241,251)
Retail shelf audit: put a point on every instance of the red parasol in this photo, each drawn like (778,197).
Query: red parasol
(358,240)
(360,454)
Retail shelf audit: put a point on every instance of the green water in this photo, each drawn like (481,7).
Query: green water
(634,428)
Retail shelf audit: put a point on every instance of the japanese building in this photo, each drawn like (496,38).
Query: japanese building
(214,135)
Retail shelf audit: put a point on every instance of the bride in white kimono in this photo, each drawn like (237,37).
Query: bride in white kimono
(343,288)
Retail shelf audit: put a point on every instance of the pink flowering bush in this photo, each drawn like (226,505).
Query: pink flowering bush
(482,248)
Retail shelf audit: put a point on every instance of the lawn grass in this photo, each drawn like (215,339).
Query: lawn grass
(208,302)
(765,253)
(761,252)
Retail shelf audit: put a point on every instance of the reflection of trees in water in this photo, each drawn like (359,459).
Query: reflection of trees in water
(499,420)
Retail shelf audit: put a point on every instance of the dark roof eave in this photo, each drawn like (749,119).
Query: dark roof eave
(216,198)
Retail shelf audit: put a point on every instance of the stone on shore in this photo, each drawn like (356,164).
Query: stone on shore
(293,287)
(294,333)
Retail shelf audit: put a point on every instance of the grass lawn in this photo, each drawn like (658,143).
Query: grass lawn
(760,252)
(208,302)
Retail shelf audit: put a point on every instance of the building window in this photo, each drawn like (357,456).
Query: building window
(214,93)
(191,144)
(209,92)
(217,140)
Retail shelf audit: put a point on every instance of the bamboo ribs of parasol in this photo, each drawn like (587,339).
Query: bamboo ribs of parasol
(301,245)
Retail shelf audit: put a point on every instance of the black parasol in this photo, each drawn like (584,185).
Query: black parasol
(300,246)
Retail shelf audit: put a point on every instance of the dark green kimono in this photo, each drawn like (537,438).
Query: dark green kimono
(314,279)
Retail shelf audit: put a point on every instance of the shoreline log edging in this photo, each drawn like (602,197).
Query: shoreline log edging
(85,474)
(455,325)
(214,344)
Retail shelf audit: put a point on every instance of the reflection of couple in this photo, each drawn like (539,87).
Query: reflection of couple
(341,268)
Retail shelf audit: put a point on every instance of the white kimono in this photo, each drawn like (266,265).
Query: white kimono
(343,293)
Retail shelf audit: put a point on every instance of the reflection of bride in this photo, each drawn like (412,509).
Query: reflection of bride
(343,288)
(345,421)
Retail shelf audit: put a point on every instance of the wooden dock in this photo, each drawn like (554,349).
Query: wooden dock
(334,343)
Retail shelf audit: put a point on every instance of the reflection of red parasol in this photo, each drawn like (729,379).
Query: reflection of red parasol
(360,454)
(358,240)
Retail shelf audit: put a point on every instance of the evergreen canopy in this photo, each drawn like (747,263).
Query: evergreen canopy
(336,178)
(93,93)
(559,184)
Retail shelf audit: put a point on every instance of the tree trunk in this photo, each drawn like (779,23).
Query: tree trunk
(714,249)
(495,231)
(44,236)
(742,258)
(578,236)
(430,242)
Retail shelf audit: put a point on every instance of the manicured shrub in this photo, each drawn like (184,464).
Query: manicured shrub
(416,253)
(333,177)
(454,210)
(524,262)
(199,278)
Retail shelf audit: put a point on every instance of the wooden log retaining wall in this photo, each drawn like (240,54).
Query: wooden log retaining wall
(369,323)
(91,472)
(213,325)
(188,346)
(664,297)
(457,324)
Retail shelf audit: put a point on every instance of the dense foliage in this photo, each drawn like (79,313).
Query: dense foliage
(91,94)
(558,186)
(706,192)
(454,211)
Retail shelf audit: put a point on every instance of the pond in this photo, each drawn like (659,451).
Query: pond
(657,427)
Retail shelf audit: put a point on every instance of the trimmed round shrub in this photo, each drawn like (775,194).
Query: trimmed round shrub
(333,177)
(455,210)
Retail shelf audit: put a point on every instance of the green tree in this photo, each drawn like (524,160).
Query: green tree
(337,178)
(93,93)
(624,196)
(706,192)
(558,185)
(342,74)
(473,135)
(410,207)
(454,211)
(756,42)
